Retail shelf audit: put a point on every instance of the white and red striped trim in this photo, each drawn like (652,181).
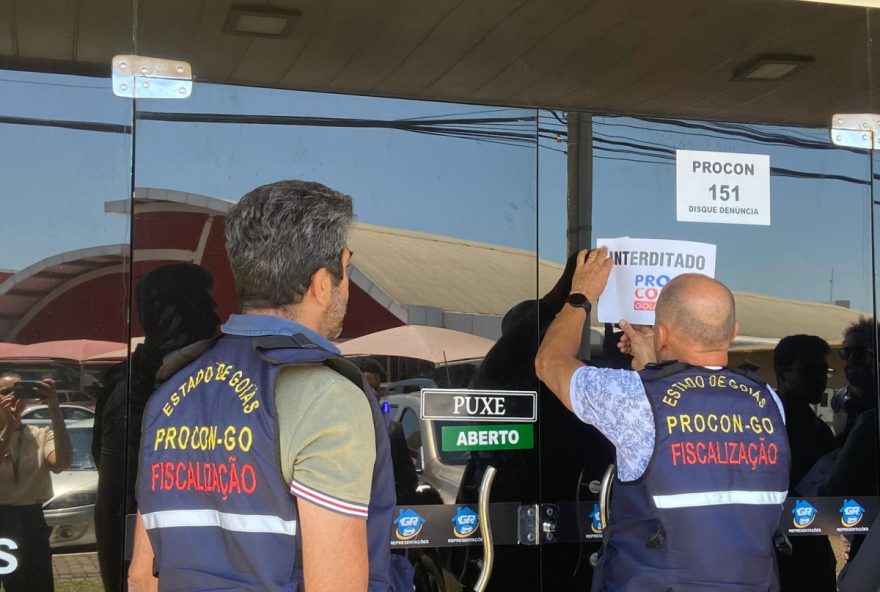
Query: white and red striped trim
(328,501)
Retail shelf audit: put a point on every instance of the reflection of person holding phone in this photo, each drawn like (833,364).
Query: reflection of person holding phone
(27,454)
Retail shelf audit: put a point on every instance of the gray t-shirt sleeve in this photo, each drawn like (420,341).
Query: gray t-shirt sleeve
(614,401)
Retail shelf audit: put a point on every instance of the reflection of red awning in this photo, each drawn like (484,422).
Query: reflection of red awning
(79,350)
(85,293)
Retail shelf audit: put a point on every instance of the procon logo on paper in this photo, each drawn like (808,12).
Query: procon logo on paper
(647,291)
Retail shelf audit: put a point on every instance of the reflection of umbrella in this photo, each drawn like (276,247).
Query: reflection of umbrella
(78,350)
(418,341)
(9,348)
(118,354)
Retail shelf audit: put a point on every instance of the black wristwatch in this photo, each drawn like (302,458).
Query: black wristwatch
(579,300)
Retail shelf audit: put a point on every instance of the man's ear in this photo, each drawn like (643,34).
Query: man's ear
(661,338)
(321,287)
(735,331)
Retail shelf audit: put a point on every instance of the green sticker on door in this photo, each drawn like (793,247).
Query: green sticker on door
(487,437)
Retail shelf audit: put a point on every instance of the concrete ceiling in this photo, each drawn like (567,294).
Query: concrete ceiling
(669,58)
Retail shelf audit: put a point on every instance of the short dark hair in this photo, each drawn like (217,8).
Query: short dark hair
(372,366)
(280,234)
(174,301)
(864,327)
(790,348)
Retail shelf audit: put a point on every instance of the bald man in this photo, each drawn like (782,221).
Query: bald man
(702,456)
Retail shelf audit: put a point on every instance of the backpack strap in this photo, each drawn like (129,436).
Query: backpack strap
(750,374)
(657,371)
(264,344)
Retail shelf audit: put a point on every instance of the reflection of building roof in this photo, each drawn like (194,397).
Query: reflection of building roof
(450,274)
(410,277)
(770,317)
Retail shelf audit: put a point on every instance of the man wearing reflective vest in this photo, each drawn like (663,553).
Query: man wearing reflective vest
(264,462)
(702,455)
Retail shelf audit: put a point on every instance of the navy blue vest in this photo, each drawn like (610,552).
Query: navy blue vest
(703,515)
(218,511)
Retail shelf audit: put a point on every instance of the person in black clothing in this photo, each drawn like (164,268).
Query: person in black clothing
(572,454)
(862,574)
(801,366)
(406,480)
(855,471)
(175,308)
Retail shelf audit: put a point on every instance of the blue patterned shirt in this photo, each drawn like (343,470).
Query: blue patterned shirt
(615,402)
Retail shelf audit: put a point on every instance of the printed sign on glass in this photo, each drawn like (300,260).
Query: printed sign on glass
(722,187)
(470,404)
(642,267)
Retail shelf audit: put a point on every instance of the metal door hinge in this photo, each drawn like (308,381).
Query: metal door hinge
(141,77)
(856,130)
(538,524)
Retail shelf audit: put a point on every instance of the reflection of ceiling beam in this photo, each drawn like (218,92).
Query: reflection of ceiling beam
(24,293)
(88,263)
(865,3)
(162,255)
(54,275)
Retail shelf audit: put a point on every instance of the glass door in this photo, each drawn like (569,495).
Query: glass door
(65,161)
(669,145)
(444,249)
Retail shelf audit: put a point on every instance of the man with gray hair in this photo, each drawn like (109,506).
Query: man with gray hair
(702,456)
(264,461)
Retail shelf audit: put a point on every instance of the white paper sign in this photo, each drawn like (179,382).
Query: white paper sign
(722,187)
(642,266)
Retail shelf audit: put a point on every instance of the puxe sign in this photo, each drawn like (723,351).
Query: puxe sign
(479,405)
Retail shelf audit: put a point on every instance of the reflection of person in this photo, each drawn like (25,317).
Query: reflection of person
(262,446)
(175,309)
(406,480)
(801,366)
(697,497)
(855,471)
(373,373)
(570,451)
(27,454)
(862,574)
(857,353)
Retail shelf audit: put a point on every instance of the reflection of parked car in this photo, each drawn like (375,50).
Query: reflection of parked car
(77,398)
(39,415)
(442,470)
(71,512)
(66,397)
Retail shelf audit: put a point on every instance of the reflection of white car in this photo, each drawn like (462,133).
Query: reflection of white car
(39,415)
(442,470)
(71,511)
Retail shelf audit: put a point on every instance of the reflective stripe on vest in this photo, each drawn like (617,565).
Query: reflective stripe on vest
(224,520)
(719,498)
